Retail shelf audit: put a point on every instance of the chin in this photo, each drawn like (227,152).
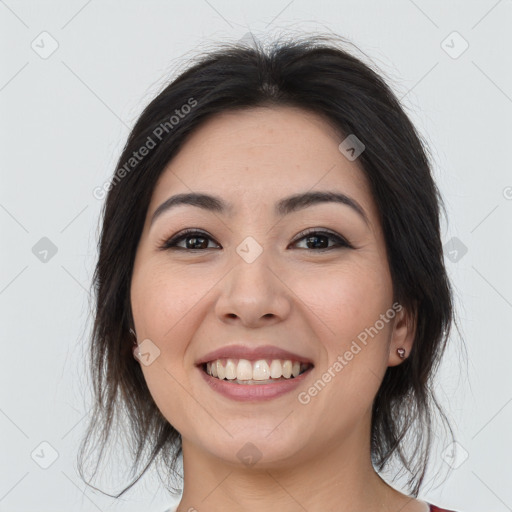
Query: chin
(258,447)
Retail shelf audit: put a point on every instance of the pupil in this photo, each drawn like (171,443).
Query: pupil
(194,240)
(316,237)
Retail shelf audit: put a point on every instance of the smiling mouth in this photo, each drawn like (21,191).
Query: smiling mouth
(261,371)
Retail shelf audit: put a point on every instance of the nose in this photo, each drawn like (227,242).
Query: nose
(253,295)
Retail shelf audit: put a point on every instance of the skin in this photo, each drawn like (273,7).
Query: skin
(314,456)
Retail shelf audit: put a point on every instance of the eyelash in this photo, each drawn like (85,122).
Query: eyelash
(170,244)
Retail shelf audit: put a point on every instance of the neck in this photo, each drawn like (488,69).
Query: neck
(337,477)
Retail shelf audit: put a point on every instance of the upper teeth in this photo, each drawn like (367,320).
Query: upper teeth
(243,369)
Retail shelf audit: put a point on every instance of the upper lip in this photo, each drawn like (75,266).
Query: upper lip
(252,354)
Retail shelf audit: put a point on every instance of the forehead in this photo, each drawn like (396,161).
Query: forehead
(256,156)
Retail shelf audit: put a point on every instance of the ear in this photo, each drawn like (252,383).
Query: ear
(402,336)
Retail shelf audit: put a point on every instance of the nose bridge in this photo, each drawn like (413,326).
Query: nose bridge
(252,290)
(254,262)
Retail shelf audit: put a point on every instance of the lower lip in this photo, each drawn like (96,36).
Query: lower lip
(252,392)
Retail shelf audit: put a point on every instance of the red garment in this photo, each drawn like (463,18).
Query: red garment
(433,508)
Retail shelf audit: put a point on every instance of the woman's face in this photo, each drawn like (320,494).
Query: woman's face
(250,280)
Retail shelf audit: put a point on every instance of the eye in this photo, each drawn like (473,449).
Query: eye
(198,240)
(314,237)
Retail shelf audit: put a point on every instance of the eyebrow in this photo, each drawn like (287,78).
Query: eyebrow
(283,207)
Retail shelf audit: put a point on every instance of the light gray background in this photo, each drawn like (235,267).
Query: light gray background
(64,120)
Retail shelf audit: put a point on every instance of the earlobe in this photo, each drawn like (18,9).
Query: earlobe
(402,338)
(135,346)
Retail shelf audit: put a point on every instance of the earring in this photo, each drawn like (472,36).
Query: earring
(401,352)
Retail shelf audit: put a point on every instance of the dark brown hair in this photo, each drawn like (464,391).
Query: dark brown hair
(317,74)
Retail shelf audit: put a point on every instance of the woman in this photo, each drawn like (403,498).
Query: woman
(271,251)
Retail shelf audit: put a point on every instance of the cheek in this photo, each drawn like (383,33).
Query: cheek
(363,318)
(162,303)
(163,306)
(347,305)
(347,300)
